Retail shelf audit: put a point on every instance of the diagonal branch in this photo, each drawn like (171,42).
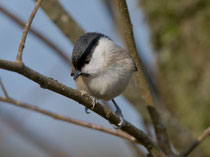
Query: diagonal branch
(140,77)
(85,100)
(62,19)
(4,89)
(69,120)
(25,32)
(161,133)
(47,41)
(200,139)
(126,30)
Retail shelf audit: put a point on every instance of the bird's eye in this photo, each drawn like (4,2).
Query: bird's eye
(72,73)
(86,61)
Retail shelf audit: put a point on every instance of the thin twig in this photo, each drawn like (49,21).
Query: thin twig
(201,138)
(204,135)
(4,89)
(46,40)
(25,32)
(69,120)
(85,100)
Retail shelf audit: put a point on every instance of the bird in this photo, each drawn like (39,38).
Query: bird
(101,68)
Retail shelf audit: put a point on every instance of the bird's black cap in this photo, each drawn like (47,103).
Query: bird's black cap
(84,47)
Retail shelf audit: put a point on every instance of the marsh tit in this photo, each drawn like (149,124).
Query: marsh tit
(101,68)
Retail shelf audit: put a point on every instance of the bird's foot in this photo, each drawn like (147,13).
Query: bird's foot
(94,101)
(122,121)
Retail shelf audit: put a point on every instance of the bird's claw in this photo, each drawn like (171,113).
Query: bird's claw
(86,110)
(120,124)
(94,101)
(53,79)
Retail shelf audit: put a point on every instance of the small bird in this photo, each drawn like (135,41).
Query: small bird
(101,68)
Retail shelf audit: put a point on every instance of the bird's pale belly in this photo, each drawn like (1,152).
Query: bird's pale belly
(101,87)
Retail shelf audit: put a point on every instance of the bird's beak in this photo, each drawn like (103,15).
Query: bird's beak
(77,74)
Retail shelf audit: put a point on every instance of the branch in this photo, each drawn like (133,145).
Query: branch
(68,119)
(161,133)
(126,29)
(85,100)
(4,89)
(140,77)
(200,139)
(38,35)
(25,32)
(62,19)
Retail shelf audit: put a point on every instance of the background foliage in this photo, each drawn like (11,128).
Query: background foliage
(180,33)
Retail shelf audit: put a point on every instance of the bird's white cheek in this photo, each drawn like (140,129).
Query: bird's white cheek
(97,63)
(93,68)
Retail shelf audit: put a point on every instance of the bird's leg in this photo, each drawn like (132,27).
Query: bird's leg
(118,112)
(94,101)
